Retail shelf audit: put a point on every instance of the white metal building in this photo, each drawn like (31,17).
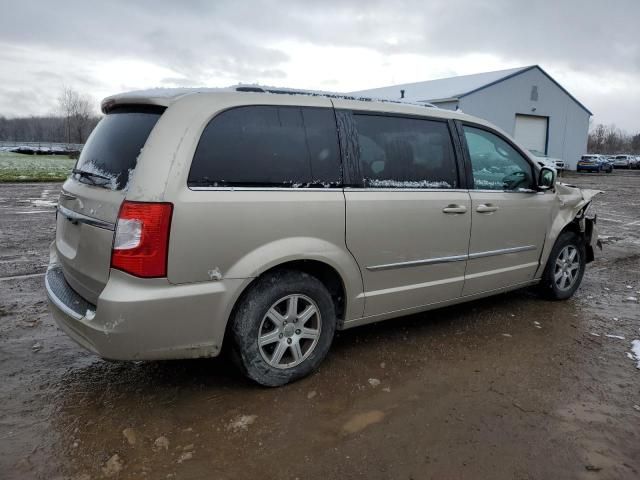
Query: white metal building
(525,102)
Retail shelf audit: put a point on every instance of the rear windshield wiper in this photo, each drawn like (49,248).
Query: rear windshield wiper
(90,175)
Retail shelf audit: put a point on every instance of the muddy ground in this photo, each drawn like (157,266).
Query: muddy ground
(507,387)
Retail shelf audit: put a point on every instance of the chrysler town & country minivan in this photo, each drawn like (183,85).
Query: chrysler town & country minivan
(267,220)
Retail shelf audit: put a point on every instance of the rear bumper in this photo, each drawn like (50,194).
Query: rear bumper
(137,319)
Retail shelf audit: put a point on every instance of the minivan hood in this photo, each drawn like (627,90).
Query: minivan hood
(574,198)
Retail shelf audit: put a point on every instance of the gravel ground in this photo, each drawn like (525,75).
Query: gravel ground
(506,387)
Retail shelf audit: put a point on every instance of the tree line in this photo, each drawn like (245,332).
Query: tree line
(608,139)
(72,122)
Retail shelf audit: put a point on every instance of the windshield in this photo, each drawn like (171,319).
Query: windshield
(111,152)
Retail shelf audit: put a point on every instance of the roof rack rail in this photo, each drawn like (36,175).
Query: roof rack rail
(313,93)
(250,89)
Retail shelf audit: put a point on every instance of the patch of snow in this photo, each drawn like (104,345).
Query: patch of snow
(506,335)
(375,183)
(44,203)
(619,337)
(489,184)
(594,334)
(631,299)
(635,349)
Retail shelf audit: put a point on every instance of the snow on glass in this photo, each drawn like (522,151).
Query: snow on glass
(372,182)
(111,180)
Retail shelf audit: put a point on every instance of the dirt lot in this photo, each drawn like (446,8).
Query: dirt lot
(507,387)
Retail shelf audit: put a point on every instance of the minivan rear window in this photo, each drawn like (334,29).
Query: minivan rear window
(111,152)
(268,146)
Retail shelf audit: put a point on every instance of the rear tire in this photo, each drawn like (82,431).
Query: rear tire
(565,268)
(283,328)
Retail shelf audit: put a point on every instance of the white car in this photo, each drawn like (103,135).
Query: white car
(624,161)
(556,163)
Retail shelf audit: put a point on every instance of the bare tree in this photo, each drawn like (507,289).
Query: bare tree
(76,110)
(608,139)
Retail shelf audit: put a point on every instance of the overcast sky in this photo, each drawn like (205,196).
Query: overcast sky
(99,48)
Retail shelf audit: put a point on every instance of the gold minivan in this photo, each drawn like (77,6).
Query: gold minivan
(269,219)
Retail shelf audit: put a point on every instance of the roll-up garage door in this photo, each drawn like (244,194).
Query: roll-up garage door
(531,132)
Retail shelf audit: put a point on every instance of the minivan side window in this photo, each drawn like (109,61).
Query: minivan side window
(401,152)
(268,146)
(496,165)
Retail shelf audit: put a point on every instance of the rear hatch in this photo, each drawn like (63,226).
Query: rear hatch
(90,199)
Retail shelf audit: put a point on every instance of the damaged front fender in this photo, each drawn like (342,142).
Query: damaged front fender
(572,210)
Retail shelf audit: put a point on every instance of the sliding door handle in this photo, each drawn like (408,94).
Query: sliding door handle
(486,208)
(453,209)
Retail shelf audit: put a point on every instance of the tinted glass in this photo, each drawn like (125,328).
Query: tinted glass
(398,152)
(112,150)
(268,146)
(496,165)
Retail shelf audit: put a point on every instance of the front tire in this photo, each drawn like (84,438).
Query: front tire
(283,328)
(565,268)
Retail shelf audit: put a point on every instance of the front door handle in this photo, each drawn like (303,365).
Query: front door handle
(486,208)
(453,209)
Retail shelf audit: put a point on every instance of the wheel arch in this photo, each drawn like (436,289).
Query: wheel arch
(576,223)
(348,304)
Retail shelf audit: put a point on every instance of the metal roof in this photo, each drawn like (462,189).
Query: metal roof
(454,88)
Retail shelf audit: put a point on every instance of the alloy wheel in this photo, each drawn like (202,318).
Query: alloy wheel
(289,331)
(567,267)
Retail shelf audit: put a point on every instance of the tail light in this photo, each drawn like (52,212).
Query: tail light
(141,242)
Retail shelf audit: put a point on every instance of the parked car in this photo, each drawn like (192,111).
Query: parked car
(556,163)
(594,163)
(269,221)
(623,161)
(607,165)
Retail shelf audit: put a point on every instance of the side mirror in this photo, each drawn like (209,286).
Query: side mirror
(546,179)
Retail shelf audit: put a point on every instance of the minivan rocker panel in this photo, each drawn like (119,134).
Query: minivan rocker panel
(270,220)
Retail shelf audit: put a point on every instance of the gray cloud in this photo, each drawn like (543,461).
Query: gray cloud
(202,40)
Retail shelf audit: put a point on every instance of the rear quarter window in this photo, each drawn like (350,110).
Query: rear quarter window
(111,152)
(258,146)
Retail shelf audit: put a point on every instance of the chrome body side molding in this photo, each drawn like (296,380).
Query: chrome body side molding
(454,258)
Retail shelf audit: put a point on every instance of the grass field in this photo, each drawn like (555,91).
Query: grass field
(15,167)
